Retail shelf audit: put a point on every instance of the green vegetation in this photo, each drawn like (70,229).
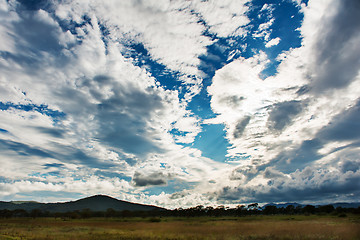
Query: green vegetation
(249,227)
(104,209)
(241,222)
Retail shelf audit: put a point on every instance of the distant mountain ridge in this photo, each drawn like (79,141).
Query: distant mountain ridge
(100,203)
(94,203)
(335,205)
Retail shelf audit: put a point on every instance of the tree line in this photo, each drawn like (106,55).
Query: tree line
(198,211)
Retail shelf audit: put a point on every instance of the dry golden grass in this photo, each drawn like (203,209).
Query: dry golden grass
(260,227)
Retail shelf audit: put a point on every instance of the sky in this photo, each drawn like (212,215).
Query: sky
(179,103)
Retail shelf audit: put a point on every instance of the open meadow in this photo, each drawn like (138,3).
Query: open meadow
(249,227)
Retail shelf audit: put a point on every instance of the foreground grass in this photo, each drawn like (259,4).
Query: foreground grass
(256,227)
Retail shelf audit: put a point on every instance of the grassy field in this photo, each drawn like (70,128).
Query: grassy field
(256,227)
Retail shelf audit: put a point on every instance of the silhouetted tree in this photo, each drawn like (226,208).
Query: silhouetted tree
(20,213)
(126,213)
(309,209)
(110,213)
(219,211)
(5,213)
(73,215)
(326,209)
(270,209)
(86,213)
(35,213)
(290,209)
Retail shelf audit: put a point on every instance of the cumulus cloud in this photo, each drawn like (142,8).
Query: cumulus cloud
(156,178)
(307,185)
(169,30)
(113,114)
(272,42)
(225,18)
(93,185)
(280,126)
(264,31)
(345,126)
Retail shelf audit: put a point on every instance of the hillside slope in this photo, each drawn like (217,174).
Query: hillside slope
(94,203)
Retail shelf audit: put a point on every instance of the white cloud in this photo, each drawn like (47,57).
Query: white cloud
(93,185)
(169,30)
(264,30)
(225,18)
(6,17)
(267,7)
(172,37)
(237,92)
(278,121)
(273,42)
(307,185)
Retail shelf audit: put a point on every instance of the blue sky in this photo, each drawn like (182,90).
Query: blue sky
(180,103)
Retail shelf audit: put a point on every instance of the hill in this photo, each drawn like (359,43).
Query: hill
(94,203)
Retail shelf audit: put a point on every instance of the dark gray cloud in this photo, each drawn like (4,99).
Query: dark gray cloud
(62,153)
(244,173)
(55,165)
(132,99)
(232,101)
(307,185)
(73,101)
(350,165)
(303,90)
(38,33)
(123,119)
(24,149)
(124,132)
(35,35)
(337,49)
(54,132)
(306,153)
(72,154)
(345,126)
(36,4)
(156,178)
(240,126)
(311,183)
(282,113)
(271,173)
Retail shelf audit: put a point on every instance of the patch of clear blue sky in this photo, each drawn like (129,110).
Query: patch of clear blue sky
(287,19)
(43,109)
(3,130)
